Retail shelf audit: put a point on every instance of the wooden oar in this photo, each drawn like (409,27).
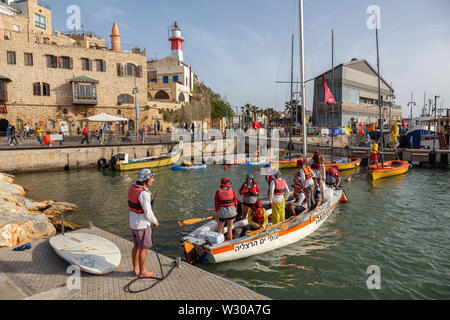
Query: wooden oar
(186,222)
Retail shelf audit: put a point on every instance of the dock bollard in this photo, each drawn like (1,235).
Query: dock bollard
(178,262)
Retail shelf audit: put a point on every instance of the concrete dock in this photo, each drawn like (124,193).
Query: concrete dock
(38,273)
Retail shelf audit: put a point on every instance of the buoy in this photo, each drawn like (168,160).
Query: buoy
(225,167)
(343,197)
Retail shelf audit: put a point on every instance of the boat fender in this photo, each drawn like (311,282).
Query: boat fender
(101,163)
(343,197)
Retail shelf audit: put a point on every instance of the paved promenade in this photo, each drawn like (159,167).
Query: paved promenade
(38,273)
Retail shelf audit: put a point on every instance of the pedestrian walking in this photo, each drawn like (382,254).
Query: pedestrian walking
(38,132)
(13,136)
(8,134)
(61,132)
(85,135)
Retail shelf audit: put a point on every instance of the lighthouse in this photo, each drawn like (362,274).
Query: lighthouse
(176,41)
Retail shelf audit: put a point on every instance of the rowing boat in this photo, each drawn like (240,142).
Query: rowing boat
(193,167)
(389,169)
(151,162)
(352,163)
(201,246)
(257,163)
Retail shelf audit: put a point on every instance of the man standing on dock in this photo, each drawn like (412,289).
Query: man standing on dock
(141,218)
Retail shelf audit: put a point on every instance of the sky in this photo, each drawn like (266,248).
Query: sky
(240,49)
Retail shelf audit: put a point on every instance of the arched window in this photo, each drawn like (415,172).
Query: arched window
(161,95)
(125,99)
(130,70)
(181,97)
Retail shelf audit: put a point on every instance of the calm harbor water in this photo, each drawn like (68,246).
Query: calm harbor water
(400,224)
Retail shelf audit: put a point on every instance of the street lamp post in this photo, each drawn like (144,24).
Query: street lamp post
(135,92)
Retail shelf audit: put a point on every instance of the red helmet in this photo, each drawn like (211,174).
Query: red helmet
(300,162)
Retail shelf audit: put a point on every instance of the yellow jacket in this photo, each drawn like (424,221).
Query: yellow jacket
(252,223)
(39,132)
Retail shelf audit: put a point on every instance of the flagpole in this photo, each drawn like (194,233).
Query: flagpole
(332,86)
(380,98)
(302,78)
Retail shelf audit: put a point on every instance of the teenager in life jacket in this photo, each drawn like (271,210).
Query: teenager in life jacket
(318,169)
(306,177)
(225,205)
(267,172)
(141,219)
(299,204)
(278,193)
(333,177)
(250,192)
(257,218)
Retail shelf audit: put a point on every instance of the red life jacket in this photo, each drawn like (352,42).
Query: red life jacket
(315,166)
(249,192)
(297,197)
(308,172)
(269,179)
(333,172)
(133,198)
(280,187)
(258,216)
(225,197)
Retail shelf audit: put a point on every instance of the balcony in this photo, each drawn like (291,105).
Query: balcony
(85,100)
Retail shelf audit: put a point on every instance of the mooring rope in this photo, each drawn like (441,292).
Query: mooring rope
(174,264)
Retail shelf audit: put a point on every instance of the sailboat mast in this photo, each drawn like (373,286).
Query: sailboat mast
(292,95)
(332,86)
(379,99)
(302,77)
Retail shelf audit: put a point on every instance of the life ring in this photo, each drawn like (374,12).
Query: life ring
(101,163)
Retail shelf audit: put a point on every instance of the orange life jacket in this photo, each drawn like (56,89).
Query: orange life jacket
(225,197)
(258,216)
(308,172)
(280,187)
(133,198)
(249,192)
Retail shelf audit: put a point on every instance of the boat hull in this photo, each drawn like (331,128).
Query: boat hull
(194,167)
(291,231)
(166,161)
(391,168)
(352,164)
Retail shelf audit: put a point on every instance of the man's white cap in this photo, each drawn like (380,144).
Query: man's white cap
(144,175)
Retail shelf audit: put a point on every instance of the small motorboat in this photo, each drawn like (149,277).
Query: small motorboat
(261,162)
(150,162)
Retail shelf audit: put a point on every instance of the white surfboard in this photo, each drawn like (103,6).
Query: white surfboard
(91,253)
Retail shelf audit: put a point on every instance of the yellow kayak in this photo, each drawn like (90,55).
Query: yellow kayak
(391,168)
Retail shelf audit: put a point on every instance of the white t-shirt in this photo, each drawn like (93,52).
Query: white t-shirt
(301,198)
(140,221)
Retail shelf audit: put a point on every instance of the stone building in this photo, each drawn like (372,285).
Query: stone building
(355,90)
(48,77)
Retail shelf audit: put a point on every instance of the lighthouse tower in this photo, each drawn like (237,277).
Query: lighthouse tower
(176,41)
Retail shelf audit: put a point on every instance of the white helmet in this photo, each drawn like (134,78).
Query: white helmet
(144,175)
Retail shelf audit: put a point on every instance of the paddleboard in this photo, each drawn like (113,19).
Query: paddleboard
(91,253)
